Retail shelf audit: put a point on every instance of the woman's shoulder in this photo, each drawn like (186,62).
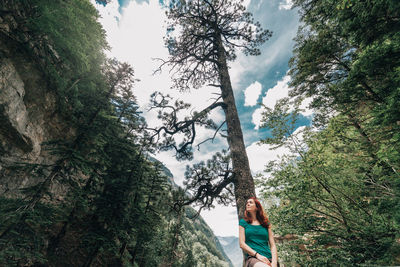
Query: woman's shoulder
(243,223)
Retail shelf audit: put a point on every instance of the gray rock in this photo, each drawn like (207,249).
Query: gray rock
(28,117)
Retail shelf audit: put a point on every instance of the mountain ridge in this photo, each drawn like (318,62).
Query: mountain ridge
(230,244)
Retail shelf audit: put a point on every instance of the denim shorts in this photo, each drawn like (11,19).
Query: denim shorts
(251,261)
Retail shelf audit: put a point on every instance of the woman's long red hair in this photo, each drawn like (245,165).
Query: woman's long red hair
(260,214)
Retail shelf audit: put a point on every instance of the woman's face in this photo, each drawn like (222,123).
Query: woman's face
(251,205)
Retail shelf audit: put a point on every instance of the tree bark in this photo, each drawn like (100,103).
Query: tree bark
(243,180)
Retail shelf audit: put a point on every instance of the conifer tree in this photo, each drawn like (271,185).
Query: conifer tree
(210,34)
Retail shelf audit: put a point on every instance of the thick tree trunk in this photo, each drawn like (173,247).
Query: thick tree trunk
(243,181)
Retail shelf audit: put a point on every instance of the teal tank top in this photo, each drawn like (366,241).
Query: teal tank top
(256,238)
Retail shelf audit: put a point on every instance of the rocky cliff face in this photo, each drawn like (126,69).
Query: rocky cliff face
(29,117)
(28,114)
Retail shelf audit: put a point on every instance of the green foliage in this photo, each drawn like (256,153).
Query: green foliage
(198,243)
(339,188)
(73,28)
(348,58)
(25,242)
(76,42)
(336,200)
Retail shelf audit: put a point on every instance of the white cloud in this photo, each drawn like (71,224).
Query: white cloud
(277,49)
(305,107)
(257,117)
(252,93)
(259,155)
(286,4)
(223,220)
(137,37)
(279,91)
(246,3)
(237,69)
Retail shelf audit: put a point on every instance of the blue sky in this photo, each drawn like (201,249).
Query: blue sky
(135,31)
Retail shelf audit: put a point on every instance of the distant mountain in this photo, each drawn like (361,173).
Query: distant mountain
(166,171)
(197,236)
(204,243)
(230,244)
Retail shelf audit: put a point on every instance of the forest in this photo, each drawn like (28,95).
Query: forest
(80,184)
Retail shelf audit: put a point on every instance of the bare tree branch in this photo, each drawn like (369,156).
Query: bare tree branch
(172,125)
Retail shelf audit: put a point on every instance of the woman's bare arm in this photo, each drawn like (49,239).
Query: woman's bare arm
(272,245)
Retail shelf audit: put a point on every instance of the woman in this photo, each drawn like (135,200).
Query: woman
(254,235)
